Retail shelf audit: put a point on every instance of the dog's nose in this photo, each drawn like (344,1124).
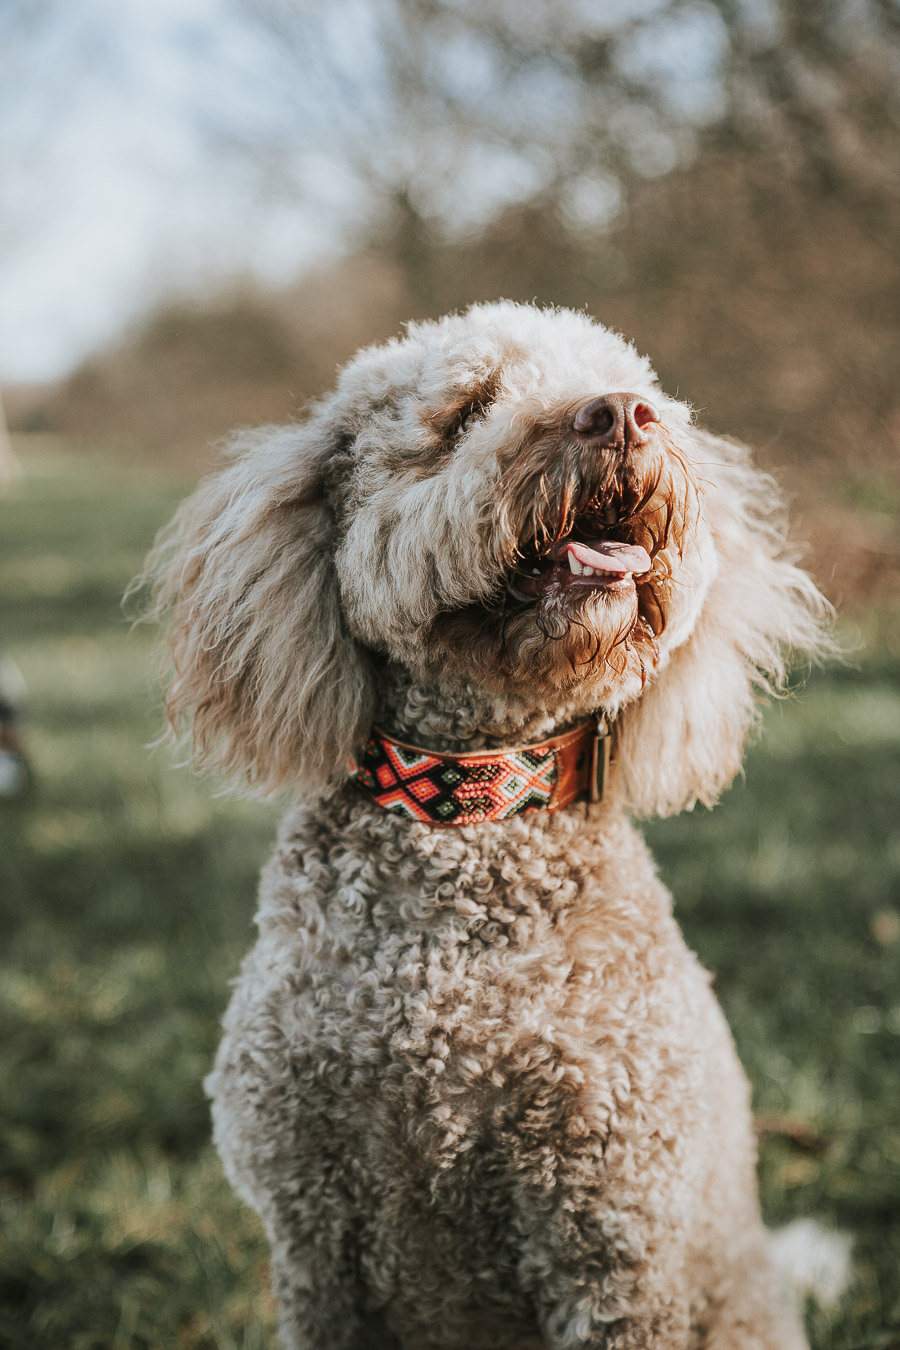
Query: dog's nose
(615,421)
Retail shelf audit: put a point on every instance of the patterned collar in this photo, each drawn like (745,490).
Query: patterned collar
(467,789)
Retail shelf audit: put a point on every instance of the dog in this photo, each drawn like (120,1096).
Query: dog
(495,596)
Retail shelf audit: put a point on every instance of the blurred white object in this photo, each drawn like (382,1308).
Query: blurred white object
(12,685)
(815,1261)
(14,776)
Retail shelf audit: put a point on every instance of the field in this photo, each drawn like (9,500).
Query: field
(126,899)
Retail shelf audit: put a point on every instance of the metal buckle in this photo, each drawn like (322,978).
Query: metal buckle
(600,754)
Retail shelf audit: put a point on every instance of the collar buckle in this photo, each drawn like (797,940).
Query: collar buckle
(600,758)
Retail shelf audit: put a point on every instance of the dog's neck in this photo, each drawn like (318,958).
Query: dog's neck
(456,717)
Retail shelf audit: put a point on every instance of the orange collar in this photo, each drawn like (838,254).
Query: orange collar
(467,789)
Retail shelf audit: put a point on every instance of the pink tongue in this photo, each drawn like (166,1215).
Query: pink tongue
(610,557)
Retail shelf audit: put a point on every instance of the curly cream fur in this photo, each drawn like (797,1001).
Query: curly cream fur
(472,1080)
(264,666)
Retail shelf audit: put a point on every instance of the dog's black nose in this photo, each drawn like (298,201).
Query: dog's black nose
(615,421)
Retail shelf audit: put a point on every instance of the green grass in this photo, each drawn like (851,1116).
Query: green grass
(126,896)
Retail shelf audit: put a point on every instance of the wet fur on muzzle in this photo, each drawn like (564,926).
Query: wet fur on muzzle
(555,487)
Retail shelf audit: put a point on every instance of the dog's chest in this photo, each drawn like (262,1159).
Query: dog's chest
(451,1045)
(468,1073)
(443,1009)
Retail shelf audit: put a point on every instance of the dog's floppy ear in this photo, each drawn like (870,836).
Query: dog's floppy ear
(682,741)
(272,689)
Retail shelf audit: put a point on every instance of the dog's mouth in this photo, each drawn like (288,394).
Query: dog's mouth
(587,563)
(586,558)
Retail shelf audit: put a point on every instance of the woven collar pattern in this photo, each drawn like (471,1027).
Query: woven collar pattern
(469,789)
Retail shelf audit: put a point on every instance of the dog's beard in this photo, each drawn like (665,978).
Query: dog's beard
(588,627)
(549,624)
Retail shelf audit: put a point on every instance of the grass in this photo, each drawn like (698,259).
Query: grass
(126,896)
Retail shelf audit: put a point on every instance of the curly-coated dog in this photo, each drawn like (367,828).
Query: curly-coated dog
(472,1080)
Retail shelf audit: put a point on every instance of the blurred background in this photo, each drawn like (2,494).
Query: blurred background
(205,207)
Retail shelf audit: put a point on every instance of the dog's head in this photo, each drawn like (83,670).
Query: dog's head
(503,502)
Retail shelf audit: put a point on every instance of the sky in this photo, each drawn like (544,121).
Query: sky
(111,199)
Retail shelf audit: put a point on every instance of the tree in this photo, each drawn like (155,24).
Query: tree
(442,113)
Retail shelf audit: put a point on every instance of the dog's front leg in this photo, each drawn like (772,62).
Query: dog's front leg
(315,1306)
(606,1275)
(321,1305)
(603,1261)
(285,1159)
(613,1310)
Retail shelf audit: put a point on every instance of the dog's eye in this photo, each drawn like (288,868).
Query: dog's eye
(468,419)
(464,410)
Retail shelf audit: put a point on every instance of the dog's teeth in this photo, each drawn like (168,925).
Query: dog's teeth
(588,571)
(535,571)
(574,565)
